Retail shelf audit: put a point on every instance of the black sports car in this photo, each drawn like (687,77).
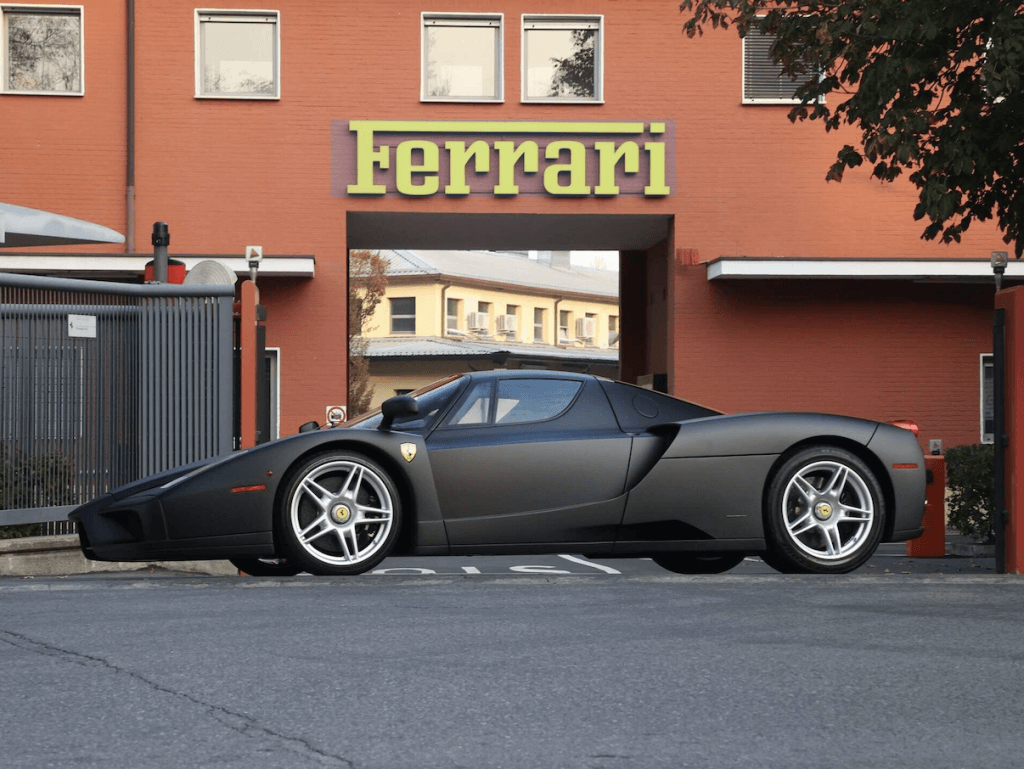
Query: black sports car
(532,462)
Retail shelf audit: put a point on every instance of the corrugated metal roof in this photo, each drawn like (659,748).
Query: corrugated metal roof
(498,267)
(435,347)
(21,227)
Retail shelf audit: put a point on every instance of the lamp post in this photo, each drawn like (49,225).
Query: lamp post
(999,262)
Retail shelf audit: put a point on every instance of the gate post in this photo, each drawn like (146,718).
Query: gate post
(1011,301)
(247,390)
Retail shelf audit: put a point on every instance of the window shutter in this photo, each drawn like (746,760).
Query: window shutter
(763,80)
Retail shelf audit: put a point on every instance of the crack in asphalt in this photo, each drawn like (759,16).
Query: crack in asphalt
(242,724)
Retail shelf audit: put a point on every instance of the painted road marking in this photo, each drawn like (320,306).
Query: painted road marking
(591,564)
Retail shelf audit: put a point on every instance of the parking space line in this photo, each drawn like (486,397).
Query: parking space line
(591,564)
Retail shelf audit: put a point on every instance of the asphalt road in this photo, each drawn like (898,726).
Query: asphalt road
(513,669)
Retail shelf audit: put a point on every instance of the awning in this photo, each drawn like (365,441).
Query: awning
(21,227)
(782,268)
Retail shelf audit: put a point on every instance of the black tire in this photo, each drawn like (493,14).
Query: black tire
(698,563)
(826,512)
(265,567)
(340,514)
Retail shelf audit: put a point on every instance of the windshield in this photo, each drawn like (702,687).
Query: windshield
(432,399)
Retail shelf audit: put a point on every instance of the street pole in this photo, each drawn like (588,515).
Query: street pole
(999,516)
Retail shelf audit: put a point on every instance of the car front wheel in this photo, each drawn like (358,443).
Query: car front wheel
(340,514)
(826,512)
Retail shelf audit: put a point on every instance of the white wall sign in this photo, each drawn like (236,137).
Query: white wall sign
(83,326)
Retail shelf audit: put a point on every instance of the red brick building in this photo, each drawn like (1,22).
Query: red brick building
(313,128)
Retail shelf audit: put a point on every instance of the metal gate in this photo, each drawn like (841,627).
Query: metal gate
(105,383)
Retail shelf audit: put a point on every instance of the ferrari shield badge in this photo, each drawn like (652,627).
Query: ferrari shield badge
(409,451)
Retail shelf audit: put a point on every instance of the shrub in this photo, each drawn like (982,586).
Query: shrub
(28,481)
(969,478)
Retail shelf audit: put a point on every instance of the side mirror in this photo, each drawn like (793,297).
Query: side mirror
(399,406)
(306,427)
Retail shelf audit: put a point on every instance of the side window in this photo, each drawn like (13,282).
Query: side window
(533,400)
(476,408)
(42,50)
(237,55)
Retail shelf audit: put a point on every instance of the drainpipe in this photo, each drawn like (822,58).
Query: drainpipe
(130,110)
(444,308)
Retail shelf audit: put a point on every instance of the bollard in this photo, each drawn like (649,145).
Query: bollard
(932,544)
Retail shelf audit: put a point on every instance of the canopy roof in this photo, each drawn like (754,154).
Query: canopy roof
(21,227)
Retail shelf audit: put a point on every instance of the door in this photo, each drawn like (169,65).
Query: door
(530,461)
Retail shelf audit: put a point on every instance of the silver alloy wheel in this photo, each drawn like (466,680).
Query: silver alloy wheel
(828,510)
(341,512)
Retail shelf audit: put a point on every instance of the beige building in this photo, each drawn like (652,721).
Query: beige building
(447,312)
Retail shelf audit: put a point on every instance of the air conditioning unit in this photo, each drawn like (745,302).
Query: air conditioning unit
(477,321)
(586,328)
(507,324)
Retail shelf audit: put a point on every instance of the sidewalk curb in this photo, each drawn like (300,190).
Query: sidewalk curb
(61,555)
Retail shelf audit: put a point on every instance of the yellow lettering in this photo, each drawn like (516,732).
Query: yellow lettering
(405,168)
(656,155)
(508,155)
(459,156)
(609,157)
(367,156)
(576,169)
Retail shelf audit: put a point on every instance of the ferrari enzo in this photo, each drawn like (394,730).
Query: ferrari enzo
(511,462)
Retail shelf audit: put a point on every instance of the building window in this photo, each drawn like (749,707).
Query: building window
(562,59)
(238,55)
(462,57)
(988,414)
(403,315)
(564,323)
(613,330)
(451,322)
(538,324)
(43,50)
(764,82)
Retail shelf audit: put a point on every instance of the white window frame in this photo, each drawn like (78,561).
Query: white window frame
(984,359)
(239,15)
(743,77)
(432,18)
(564,21)
(6,8)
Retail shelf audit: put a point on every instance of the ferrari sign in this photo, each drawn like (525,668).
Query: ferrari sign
(421,158)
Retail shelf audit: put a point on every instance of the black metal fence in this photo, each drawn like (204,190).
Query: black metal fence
(104,383)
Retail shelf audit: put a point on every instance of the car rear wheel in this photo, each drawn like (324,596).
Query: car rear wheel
(266,567)
(826,512)
(698,563)
(340,514)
